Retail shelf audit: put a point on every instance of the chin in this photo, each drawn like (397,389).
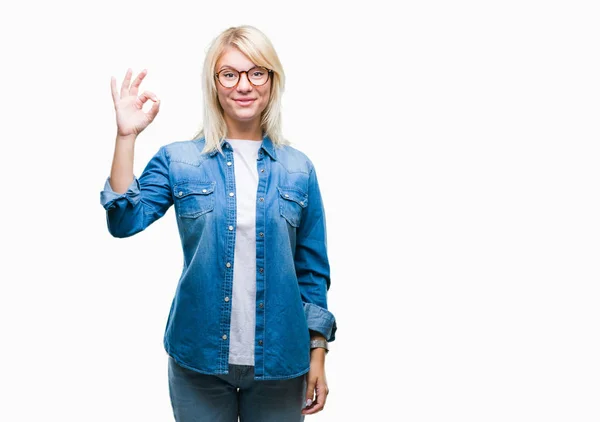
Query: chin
(245,116)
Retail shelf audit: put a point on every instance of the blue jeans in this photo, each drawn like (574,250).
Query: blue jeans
(222,398)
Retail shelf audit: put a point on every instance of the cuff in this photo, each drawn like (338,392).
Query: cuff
(320,320)
(108,197)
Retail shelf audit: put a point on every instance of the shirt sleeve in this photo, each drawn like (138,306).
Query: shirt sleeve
(145,201)
(312,263)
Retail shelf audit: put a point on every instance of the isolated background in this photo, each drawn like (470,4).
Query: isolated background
(457,150)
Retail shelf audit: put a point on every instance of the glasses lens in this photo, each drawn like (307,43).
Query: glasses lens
(258,75)
(228,77)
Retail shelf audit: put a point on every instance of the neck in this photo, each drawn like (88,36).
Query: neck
(244,130)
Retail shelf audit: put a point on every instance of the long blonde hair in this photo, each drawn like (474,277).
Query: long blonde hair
(258,48)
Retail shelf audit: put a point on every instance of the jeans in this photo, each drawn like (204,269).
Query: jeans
(222,398)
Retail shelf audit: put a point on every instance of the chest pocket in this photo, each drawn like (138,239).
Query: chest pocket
(193,198)
(291,203)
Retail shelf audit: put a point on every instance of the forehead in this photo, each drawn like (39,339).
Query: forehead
(234,58)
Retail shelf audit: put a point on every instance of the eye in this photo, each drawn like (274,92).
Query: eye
(228,75)
(259,73)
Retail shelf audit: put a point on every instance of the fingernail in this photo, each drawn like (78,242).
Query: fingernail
(308,402)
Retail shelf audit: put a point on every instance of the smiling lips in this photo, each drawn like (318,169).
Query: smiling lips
(245,101)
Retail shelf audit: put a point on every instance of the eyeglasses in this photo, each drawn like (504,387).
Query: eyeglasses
(257,76)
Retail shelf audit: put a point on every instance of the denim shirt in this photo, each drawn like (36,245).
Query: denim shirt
(292,267)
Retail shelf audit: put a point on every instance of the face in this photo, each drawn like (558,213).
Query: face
(232,99)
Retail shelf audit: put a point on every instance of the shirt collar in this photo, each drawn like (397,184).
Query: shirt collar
(267,145)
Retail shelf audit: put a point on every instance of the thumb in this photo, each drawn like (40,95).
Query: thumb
(310,390)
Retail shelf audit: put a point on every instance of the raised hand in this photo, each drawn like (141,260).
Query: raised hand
(131,119)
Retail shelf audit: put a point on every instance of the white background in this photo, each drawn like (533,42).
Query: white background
(457,150)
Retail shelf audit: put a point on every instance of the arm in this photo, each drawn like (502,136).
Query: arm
(312,264)
(143,200)
(121,172)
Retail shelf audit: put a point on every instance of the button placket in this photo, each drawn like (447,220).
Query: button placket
(230,227)
(260,333)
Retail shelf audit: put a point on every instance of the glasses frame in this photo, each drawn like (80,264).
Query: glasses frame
(269,72)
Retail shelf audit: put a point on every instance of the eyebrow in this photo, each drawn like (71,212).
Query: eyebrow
(225,66)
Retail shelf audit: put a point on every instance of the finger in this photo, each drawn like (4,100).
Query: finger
(319,403)
(136,83)
(321,397)
(125,84)
(113,90)
(153,111)
(310,391)
(147,95)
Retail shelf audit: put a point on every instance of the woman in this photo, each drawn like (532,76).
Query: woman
(248,328)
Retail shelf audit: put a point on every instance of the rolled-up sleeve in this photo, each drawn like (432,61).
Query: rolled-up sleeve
(312,263)
(146,199)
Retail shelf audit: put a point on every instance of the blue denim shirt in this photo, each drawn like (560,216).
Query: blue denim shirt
(292,267)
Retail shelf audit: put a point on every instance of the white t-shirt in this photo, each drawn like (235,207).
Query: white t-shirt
(243,296)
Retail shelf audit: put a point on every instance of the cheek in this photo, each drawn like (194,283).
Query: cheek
(222,97)
(264,99)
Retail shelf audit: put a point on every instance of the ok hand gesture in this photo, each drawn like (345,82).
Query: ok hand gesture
(131,119)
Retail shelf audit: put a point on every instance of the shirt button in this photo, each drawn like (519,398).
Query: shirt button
(226,145)
(224,336)
(262,170)
(226,298)
(261,199)
(260,342)
(230,227)
(301,202)
(286,195)
(228,163)
(261,234)
(180,193)
(204,191)
(261,304)
(228,264)
(230,193)
(261,270)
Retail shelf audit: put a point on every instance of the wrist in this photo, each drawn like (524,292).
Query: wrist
(126,139)
(319,344)
(317,354)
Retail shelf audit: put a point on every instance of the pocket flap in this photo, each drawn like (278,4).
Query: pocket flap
(293,194)
(183,189)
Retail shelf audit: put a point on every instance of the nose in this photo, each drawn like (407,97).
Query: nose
(244,83)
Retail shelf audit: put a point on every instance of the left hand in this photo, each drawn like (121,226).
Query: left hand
(316,383)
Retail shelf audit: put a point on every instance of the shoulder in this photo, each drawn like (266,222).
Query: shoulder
(185,151)
(294,160)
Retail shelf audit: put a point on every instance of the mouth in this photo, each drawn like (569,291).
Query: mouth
(245,102)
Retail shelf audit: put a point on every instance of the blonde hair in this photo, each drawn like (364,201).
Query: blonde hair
(257,47)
